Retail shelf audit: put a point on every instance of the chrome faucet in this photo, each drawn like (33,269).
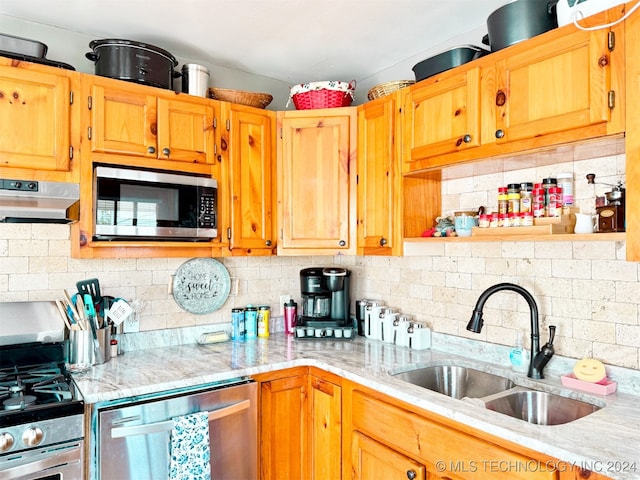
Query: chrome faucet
(539,358)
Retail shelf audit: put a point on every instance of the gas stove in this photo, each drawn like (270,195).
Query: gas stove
(41,411)
(34,384)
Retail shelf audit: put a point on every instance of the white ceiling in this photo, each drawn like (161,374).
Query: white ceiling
(293,41)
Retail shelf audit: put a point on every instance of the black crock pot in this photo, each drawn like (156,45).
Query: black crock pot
(134,62)
(519,20)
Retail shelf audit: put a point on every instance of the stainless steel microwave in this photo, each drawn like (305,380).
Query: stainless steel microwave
(137,204)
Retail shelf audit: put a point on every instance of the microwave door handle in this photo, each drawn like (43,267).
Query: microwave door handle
(167,425)
(38,462)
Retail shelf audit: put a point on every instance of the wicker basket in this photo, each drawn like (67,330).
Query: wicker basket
(252,99)
(329,94)
(387,88)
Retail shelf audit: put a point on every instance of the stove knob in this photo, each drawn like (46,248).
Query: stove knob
(32,436)
(6,442)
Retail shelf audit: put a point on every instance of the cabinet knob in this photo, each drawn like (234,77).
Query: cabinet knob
(166,151)
(268,243)
(411,474)
(151,149)
(383,242)
(466,138)
(499,133)
(342,243)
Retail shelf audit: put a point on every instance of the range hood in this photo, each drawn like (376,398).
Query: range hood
(30,201)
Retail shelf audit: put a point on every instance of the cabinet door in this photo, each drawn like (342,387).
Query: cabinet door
(34,120)
(542,90)
(316,191)
(325,429)
(185,131)
(371,459)
(123,120)
(283,429)
(442,117)
(249,149)
(379,204)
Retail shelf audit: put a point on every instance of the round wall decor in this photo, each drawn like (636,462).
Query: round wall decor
(201,285)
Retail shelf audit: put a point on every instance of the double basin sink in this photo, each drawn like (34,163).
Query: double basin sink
(498,393)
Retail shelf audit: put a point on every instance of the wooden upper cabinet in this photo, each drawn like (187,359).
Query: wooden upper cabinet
(129,119)
(35,119)
(442,116)
(552,88)
(317,181)
(379,180)
(248,151)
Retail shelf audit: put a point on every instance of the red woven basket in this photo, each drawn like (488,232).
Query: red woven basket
(323,98)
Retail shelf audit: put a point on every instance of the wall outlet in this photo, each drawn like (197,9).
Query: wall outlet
(131,324)
(283,299)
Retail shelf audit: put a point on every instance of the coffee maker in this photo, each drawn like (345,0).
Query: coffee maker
(325,297)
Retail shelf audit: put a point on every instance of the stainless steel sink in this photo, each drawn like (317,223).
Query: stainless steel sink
(540,408)
(456,381)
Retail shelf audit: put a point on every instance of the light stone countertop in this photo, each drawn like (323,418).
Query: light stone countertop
(606,441)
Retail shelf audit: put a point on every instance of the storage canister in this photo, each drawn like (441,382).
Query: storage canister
(237,323)
(195,79)
(264,312)
(251,321)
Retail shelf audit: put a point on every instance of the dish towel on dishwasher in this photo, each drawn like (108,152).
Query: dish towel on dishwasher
(189,448)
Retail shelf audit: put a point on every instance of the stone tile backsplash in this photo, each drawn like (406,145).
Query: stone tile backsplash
(587,289)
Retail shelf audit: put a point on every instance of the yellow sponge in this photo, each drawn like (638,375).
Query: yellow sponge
(590,370)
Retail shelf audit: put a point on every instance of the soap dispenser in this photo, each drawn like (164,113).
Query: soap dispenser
(519,356)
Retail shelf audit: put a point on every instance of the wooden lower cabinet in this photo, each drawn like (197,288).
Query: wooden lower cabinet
(371,459)
(300,425)
(315,425)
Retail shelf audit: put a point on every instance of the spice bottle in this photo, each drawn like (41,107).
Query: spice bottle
(548,183)
(513,198)
(565,181)
(503,200)
(537,203)
(526,197)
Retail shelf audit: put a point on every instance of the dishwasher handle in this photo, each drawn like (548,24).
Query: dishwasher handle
(167,425)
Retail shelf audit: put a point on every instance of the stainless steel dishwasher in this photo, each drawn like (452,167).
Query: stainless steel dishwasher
(133,435)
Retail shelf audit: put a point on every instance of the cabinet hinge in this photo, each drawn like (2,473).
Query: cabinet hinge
(612,99)
(71,97)
(215,148)
(89,102)
(215,122)
(611,41)
(228,233)
(71,152)
(228,124)
(357,179)
(89,133)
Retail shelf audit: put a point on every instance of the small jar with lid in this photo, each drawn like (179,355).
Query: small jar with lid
(503,219)
(548,183)
(526,219)
(526,197)
(554,202)
(514,220)
(513,198)
(494,220)
(503,200)
(537,202)
(484,220)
